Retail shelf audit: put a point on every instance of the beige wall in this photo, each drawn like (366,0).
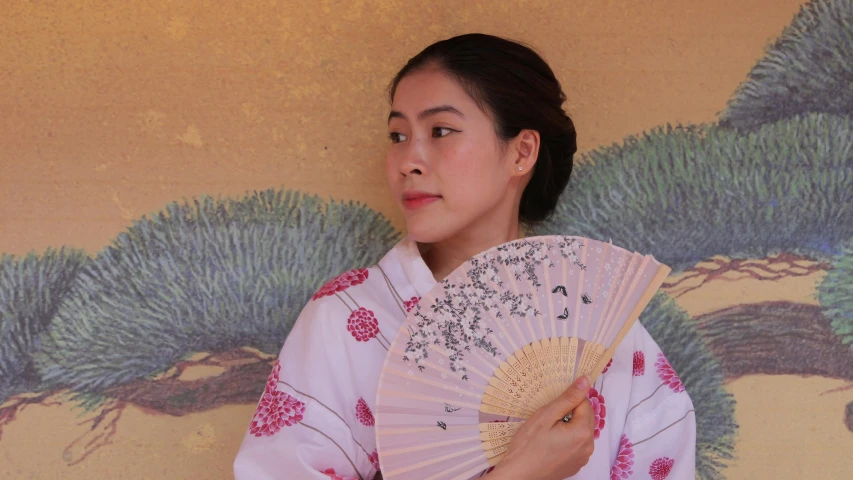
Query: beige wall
(112,109)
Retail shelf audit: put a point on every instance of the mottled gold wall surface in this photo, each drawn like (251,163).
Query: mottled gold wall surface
(110,110)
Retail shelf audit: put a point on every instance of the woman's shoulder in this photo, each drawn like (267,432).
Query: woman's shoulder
(358,302)
(382,286)
(370,285)
(638,342)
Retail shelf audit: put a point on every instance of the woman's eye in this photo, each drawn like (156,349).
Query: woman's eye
(396,137)
(434,130)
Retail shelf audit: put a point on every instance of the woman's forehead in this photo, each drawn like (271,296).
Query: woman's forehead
(423,90)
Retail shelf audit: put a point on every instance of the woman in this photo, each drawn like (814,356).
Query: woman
(480,147)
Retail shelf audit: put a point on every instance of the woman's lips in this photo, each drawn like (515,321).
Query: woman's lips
(420,201)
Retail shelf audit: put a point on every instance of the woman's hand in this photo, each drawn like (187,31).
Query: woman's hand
(545,447)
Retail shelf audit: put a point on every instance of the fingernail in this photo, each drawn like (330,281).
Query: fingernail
(582,382)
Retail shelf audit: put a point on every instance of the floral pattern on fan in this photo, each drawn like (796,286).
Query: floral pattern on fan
(522,258)
(464,304)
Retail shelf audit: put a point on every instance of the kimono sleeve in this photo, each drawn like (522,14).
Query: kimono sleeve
(313,420)
(659,437)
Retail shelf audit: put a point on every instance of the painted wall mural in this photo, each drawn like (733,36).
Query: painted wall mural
(177,322)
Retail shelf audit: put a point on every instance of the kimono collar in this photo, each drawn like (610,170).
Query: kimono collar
(417,271)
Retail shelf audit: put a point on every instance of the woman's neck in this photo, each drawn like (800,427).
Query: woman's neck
(445,256)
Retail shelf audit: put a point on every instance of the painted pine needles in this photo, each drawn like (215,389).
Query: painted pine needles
(807,69)
(835,294)
(31,289)
(685,194)
(204,275)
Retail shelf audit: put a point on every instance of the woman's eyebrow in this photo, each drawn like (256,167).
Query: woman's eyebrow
(427,112)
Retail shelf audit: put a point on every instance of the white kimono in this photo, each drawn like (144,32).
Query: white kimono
(315,418)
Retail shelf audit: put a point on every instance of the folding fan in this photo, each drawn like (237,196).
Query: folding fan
(500,337)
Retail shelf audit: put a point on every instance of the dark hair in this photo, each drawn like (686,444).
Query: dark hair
(514,86)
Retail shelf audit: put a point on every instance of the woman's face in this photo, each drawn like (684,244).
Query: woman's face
(444,165)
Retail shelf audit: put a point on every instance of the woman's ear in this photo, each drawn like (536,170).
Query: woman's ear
(525,150)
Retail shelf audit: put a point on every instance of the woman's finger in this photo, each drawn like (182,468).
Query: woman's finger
(583,415)
(568,399)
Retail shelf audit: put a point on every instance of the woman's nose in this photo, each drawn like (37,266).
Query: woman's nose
(412,170)
(415,161)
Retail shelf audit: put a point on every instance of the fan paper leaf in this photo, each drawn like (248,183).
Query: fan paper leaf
(503,335)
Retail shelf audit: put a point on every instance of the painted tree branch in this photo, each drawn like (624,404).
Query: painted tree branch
(10,409)
(782,266)
(102,430)
(775,338)
(241,381)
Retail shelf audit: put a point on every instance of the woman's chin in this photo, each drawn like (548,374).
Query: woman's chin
(427,232)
